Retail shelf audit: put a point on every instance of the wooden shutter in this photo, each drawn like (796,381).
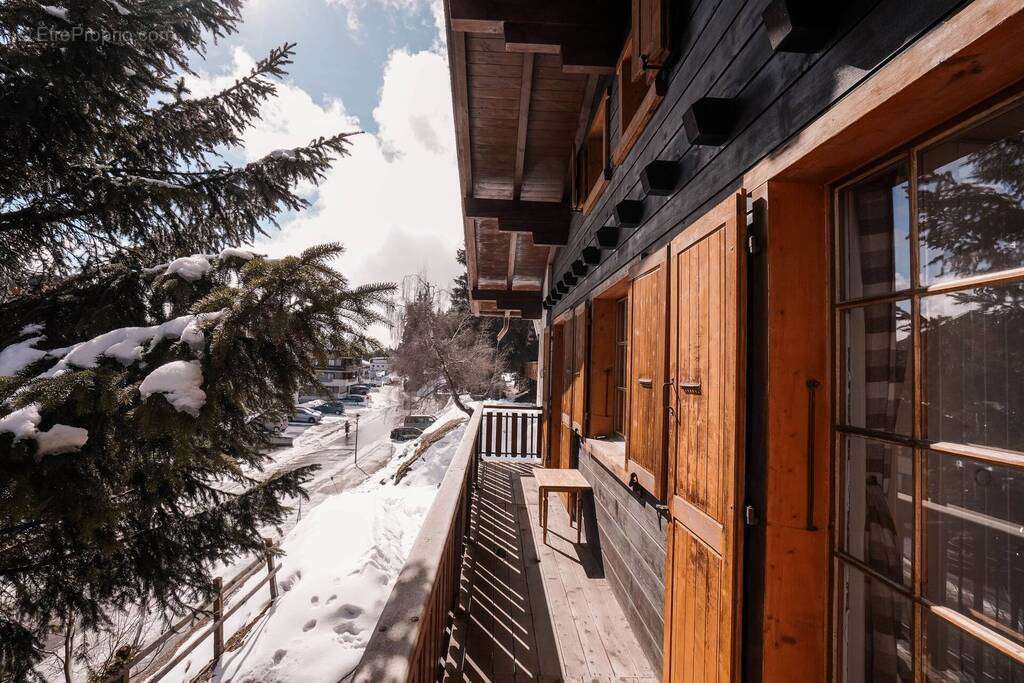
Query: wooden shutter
(703,564)
(651,37)
(646,438)
(565,405)
(579,367)
(601,384)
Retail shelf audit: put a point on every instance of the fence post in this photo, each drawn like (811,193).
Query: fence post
(218,615)
(270,567)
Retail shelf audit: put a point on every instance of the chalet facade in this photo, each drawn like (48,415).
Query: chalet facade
(775,250)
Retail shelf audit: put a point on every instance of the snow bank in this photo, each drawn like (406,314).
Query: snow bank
(22,423)
(181,384)
(341,562)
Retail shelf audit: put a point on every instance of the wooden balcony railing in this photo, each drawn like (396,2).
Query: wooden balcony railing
(410,641)
(510,431)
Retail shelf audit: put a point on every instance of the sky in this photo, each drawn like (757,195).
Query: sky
(379,66)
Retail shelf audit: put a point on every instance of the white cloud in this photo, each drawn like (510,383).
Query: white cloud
(394,202)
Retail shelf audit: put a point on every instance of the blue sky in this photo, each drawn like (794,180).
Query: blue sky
(374,65)
(342,48)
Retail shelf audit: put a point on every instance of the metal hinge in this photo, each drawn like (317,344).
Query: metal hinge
(750,516)
(753,246)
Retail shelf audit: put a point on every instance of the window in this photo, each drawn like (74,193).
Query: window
(929,316)
(592,161)
(620,369)
(639,96)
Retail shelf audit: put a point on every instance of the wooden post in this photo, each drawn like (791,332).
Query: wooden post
(218,615)
(270,567)
(514,433)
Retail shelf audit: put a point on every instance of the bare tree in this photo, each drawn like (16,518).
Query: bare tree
(441,347)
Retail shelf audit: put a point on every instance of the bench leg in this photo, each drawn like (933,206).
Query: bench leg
(579,516)
(544,515)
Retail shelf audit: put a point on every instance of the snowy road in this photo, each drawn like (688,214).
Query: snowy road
(326,445)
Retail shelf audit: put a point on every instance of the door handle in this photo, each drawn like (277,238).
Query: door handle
(646,382)
(690,387)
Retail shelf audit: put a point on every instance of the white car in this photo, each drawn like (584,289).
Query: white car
(306,415)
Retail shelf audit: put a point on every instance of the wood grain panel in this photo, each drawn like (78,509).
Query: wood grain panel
(579,367)
(645,438)
(706,445)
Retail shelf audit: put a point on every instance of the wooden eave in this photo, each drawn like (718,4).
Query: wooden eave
(517,109)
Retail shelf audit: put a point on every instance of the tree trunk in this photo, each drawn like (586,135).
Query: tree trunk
(69,648)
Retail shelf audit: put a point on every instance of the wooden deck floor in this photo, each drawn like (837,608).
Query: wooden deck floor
(529,611)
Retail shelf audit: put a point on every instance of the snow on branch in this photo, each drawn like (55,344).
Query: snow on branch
(60,438)
(196,266)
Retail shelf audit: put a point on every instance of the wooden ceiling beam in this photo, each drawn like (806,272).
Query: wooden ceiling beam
(516,209)
(525,93)
(585,49)
(514,297)
(460,103)
(487,16)
(513,244)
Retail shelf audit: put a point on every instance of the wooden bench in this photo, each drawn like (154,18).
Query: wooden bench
(560,481)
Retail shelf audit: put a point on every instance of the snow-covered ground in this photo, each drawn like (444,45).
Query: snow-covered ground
(342,555)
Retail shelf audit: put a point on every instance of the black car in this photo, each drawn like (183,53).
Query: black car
(332,408)
(405,433)
(359,390)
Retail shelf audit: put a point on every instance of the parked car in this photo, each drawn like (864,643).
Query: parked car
(354,400)
(268,426)
(359,389)
(306,415)
(418,421)
(405,433)
(332,408)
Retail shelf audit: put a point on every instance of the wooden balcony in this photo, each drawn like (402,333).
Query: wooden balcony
(483,599)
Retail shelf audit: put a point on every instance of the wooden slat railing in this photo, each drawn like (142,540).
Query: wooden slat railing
(409,642)
(213,609)
(510,431)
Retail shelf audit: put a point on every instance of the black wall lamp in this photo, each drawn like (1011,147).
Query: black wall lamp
(608,236)
(591,255)
(569,279)
(629,212)
(579,268)
(709,121)
(659,177)
(800,25)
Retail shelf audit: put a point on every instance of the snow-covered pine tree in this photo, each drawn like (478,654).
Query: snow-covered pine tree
(106,154)
(131,412)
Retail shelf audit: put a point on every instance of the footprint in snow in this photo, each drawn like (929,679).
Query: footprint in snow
(279,655)
(315,599)
(350,611)
(332,599)
(289,581)
(309,625)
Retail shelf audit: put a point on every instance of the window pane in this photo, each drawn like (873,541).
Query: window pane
(973,352)
(878,506)
(877,627)
(875,214)
(971,201)
(951,654)
(974,540)
(877,356)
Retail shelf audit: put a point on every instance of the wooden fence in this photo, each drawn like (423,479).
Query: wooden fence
(410,639)
(215,609)
(510,431)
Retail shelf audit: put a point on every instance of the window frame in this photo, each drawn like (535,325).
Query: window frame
(646,104)
(924,609)
(587,190)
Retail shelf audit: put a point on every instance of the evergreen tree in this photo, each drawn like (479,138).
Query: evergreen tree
(106,155)
(131,436)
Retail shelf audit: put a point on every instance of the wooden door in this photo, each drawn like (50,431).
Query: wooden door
(579,367)
(702,599)
(646,432)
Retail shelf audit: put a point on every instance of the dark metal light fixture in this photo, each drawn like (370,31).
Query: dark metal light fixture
(569,279)
(659,177)
(608,236)
(562,287)
(800,25)
(591,255)
(629,212)
(554,295)
(709,121)
(579,268)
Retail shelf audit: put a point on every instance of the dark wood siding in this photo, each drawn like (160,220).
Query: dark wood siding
(721,49)
(632,545)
